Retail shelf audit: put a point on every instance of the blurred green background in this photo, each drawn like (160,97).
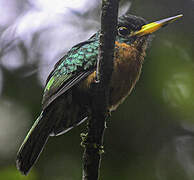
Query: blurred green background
(149,137)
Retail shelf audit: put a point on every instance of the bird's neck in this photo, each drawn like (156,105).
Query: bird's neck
(140,45)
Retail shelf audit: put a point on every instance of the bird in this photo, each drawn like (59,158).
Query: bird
(67,95)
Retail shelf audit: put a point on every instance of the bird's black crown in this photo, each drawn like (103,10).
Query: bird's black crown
(133,23)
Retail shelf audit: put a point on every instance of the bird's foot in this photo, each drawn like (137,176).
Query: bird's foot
(85,143)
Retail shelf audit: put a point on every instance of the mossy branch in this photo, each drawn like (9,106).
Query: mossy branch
(93,141)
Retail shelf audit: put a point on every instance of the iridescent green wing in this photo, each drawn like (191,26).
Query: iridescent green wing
(79,62)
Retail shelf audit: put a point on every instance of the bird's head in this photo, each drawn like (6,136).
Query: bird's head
(135,30)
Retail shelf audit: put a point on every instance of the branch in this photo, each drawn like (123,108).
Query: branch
(93,141)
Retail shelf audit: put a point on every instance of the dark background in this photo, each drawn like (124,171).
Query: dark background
(149,137)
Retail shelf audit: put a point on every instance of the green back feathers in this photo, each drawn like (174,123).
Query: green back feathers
(73,67)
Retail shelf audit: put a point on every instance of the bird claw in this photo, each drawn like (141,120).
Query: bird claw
(84,143)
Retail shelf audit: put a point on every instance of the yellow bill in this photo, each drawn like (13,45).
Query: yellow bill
(154,26)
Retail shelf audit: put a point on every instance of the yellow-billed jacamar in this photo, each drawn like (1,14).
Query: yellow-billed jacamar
(68,92)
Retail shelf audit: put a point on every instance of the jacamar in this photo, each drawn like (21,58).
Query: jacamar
(68,91)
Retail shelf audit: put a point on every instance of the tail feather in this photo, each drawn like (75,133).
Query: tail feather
(63,114)
(33,145)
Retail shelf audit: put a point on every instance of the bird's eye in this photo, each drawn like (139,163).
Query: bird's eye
(123,31)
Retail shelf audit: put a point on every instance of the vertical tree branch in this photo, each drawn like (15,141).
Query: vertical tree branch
(96,125)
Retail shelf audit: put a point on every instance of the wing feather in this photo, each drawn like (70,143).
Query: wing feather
(77,64)
(48,99)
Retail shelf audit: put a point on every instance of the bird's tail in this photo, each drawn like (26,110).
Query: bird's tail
(33,144)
